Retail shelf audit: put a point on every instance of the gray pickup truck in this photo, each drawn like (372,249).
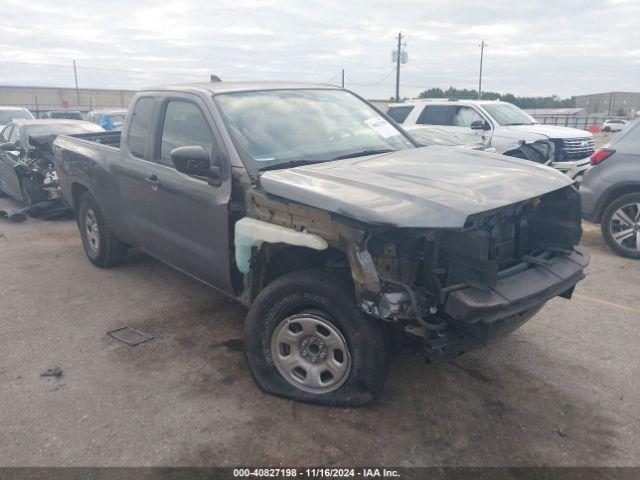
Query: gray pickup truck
(342,237)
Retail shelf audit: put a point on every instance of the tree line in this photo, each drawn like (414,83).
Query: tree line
(523,102)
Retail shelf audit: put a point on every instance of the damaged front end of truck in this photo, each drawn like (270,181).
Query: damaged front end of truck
(446,274)
(454,290)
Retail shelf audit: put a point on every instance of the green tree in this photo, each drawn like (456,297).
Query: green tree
(552,101)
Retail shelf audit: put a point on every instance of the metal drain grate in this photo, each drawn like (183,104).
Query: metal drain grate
(130,336)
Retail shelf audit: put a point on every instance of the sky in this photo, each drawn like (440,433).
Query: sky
(561,47)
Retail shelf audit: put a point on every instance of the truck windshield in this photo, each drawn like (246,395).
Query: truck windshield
(285,127)
(508,114)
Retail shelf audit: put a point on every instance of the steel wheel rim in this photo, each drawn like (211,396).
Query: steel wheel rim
(310,353)
(92,231)
(624,226)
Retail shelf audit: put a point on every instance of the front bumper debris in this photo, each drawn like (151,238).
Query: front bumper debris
(478,316)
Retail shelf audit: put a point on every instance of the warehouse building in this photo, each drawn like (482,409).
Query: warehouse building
(39,99)
(623,104)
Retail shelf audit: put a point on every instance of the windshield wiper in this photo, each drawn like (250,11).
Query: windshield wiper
(289,164)
(364,153)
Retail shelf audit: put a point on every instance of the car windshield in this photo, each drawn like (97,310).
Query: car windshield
(508,114)
(283,127)
(433,137)
(7,116)
(62,129)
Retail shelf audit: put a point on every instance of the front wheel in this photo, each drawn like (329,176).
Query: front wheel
(621,225)
(306,340)
(100,244)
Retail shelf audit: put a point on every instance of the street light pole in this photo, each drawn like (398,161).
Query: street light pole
(482,45)
(75,75)
(399,56)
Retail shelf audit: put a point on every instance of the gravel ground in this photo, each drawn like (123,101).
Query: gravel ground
(562,390)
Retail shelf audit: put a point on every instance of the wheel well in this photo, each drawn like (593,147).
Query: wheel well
(277,260)
(77,190)
(613,195)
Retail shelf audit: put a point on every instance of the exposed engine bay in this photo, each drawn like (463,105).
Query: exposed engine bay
(450,290)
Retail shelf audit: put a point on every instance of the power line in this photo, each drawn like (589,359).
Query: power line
(105,69)
(377,82)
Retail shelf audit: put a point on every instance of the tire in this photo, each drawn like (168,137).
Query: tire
(606,129)
(102,247)
(613,225)
(323,305)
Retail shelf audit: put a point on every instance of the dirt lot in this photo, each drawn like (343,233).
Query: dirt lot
(562,390)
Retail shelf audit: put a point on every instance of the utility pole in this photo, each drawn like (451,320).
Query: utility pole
(482,45)
(75,75)
(398,58)
(610,102)
(343,78)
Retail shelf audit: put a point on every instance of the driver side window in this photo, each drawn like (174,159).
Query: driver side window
(465,116)
(15,136)
(6,133)
(184,125)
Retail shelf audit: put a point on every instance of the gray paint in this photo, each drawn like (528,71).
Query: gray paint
(620,173)
(437,187)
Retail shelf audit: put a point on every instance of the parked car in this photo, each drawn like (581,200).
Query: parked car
(108,119)
(63,114)
(9,114)
(610,192)
(614,125)
(26,173)
(434,136)
(343,239)
(503,126)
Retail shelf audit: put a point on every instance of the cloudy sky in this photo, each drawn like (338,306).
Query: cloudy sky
(562,47)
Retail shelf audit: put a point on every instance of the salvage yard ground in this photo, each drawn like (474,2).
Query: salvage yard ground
(562,390)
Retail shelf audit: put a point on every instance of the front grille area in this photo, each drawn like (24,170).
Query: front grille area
(575,148)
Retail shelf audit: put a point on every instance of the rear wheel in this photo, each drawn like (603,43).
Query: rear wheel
(621,225)
(100,244)
(306,340)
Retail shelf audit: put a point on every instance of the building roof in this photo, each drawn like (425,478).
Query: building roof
(555,111)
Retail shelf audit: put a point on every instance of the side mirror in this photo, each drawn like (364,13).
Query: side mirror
(480,125)
(9,147)
(194,160)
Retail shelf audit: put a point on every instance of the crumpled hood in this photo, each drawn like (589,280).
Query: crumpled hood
(434,186)
(551,131)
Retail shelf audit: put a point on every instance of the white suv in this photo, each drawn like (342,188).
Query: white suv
(500,125)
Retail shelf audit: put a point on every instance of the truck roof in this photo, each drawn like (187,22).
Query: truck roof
(228,87)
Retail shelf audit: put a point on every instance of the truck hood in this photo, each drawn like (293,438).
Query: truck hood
(551,131)
(429,187)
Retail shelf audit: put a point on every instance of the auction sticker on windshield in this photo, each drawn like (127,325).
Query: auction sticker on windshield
(381,127)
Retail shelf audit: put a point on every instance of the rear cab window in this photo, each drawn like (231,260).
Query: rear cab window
(400,114)
(141,119)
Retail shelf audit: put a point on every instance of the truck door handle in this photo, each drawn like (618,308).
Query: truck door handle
(153,182)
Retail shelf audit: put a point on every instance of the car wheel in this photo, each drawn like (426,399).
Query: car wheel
(306,340)
(621,225)
(100,244)
(606,129)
